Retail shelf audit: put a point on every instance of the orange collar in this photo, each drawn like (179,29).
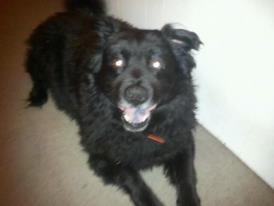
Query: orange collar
(156,138)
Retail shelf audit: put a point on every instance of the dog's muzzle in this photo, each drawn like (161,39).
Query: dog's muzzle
(136,106)
(136,95)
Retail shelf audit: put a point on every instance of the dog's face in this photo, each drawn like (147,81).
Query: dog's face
(139,72)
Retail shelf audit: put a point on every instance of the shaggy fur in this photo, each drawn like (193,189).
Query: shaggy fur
(121,84)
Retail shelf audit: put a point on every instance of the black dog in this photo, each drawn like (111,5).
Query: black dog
(130,91)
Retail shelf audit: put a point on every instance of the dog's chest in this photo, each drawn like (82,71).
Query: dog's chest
(141,150)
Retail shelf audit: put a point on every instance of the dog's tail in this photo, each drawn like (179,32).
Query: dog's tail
(95,7)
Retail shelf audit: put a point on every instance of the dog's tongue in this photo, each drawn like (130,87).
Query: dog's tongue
(136,115)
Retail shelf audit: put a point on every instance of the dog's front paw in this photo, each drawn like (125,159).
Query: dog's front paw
(191,200)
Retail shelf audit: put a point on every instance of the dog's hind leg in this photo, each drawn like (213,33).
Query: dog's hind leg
(127,179)
(39,94)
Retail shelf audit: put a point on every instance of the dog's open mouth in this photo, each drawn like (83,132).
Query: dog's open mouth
(136,118)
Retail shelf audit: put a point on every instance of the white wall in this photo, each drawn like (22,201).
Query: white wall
(235,73)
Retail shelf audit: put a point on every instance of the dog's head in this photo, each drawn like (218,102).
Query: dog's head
(142,69)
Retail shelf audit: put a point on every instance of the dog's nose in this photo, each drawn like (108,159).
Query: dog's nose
(136,73)
(136,94)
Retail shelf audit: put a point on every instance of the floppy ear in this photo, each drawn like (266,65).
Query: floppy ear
(105,28)
(181,37)
(181,42)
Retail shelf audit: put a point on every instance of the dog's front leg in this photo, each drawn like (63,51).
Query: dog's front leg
(181,172)
(126,178)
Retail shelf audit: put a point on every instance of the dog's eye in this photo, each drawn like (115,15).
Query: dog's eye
(118,63)
(156,64)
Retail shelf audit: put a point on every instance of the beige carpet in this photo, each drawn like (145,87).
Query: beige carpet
(42,164)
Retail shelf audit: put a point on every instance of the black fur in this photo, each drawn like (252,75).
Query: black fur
(73,56)
(96,7)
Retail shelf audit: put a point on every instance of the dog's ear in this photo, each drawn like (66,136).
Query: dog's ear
(105,27)
(95,63)
(108,26)
(181,38)
(182,42)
